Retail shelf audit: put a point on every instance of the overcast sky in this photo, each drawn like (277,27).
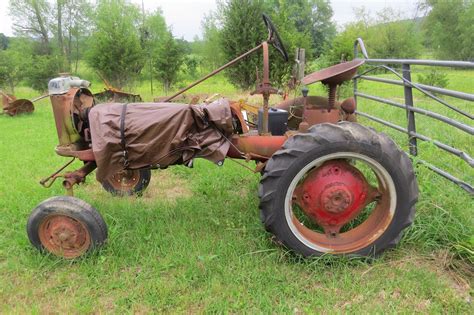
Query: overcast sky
(184,16)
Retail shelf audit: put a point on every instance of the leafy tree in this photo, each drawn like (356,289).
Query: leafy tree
(3,41)
(466,28)
(72,26)
(192,61)
(115,49)
(166,53)
(211,51)
(311,17)
(392,37)
(449,26)
(41,69)
(56,24)
(242,29)
(322,28)
(342,47)
(294,32)
(32,18)
(14,62)
(385,37)
(169,60)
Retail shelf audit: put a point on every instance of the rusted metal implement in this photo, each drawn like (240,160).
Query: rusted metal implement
(113,94)
(329,185)
(12,106)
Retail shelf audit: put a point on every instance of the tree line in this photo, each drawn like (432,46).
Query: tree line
(125,44)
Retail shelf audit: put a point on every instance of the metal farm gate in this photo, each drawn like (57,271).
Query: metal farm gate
(412,111)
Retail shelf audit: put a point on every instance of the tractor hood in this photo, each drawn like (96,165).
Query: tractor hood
(144,135)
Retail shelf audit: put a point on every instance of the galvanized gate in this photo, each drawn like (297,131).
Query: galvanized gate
(412,110)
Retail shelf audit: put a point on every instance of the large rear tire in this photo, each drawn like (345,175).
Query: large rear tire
(341,189)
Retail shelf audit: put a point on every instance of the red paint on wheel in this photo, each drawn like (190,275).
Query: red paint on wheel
(333,194)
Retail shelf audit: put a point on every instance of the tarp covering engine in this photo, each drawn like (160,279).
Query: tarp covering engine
(141,135)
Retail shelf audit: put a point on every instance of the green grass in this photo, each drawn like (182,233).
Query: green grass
(193,243)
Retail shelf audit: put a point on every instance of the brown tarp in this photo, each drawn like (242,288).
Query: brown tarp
(158,134)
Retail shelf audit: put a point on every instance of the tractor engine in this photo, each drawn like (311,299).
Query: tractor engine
(71,100)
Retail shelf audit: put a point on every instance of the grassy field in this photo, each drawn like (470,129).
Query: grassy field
(193,243)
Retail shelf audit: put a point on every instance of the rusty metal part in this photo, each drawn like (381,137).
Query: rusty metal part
(333,194)
(62,109)
(45,182)
(18,107)
(70,178)
(235,108)
(191,99)
(78,176)
(13,106)
(113,94)
(69,110)
(311,110)
(336,74)
(265,88)
(260,166)
(64,236)
(318,116)
(68,151)
(253,109)
(7,98)
(230,63)
(117,96)
(349,105)
(125,180)
(261,148)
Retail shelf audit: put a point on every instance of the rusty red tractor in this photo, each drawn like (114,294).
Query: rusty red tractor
(328,185)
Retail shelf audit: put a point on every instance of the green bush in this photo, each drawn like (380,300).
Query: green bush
(435,78)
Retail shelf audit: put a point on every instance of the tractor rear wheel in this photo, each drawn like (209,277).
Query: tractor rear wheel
(340,189)
(128,182)
(66,227)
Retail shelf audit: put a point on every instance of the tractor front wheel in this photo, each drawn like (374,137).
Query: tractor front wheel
(341,189)
(66,227)
(128,182)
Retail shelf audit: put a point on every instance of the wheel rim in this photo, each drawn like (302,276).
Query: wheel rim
(125,181)
(323,207)
(64,236)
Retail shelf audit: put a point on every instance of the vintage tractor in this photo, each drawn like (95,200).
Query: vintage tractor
(329,184)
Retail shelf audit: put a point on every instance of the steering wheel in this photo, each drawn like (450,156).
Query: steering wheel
(273,37)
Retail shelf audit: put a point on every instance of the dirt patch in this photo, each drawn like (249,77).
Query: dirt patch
(164,186)
(444,265)
(167,187)
(458,273)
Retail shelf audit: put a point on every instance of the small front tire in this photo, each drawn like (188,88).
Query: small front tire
(66,227)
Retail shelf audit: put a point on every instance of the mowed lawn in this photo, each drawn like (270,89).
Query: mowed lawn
(194,243)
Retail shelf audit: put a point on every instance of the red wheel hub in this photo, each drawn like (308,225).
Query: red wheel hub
(333,194)
(64,236)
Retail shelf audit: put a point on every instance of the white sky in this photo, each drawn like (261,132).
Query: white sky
(184,16)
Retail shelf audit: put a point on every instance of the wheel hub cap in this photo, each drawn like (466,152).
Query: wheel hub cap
(333,194)
(64,236)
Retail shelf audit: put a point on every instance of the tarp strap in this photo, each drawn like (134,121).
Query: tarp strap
(122,136)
